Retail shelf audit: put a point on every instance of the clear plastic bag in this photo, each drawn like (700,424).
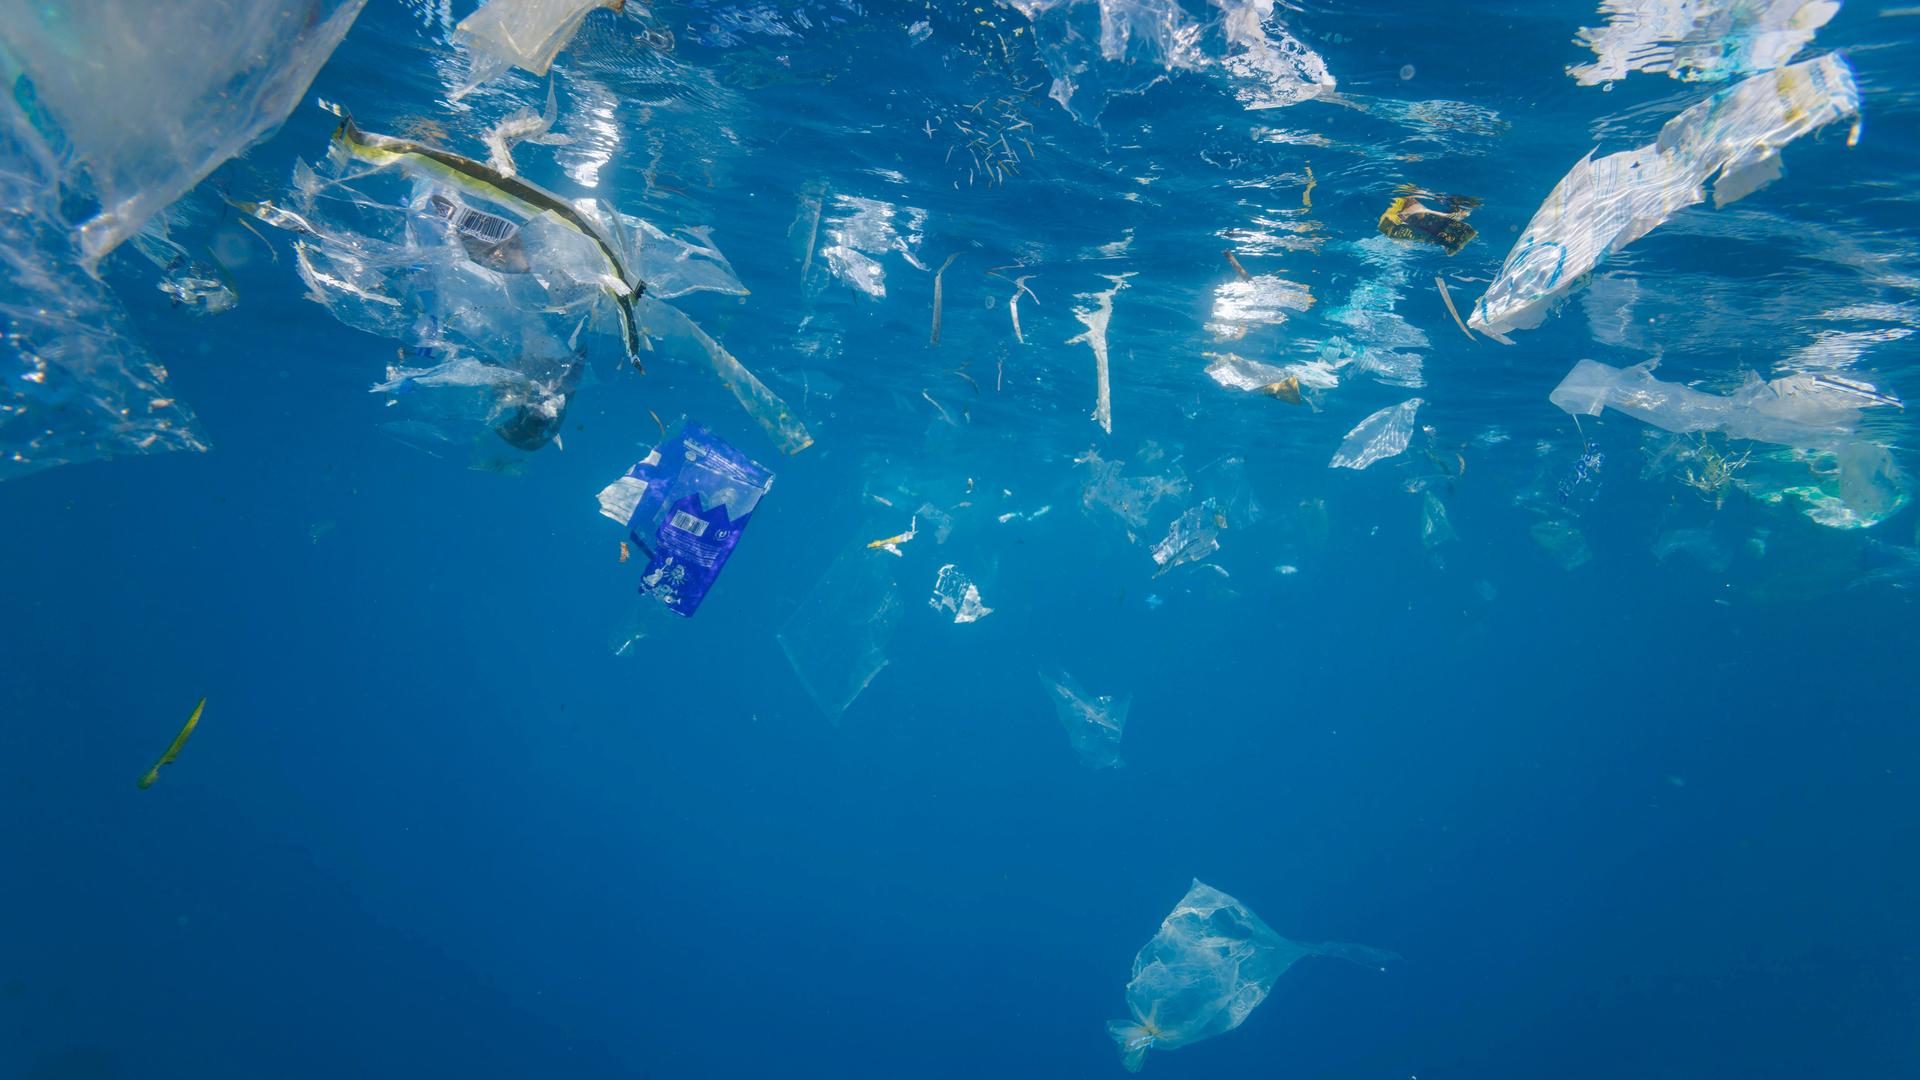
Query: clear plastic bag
(526,34)
(1094,724)
(1209,965)
(1382,435)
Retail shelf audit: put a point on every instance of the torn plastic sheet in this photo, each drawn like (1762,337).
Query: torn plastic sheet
(154,97)
(1095,319)
(1295,383)
(1094,724)
(1209,965)
(1796,410)
(1698,40)
(1194,535)
(1435,529)
(526,34)
(956,595)
(837,641)
(1856,485)
(522,125)
(1259,300)
(1603,205)
(1130,498)
(1100,49)
(1385,434)
(859,232)
(184,278)
(765,406)
(685,506)
(525,405)
(78,384)
(1565,543)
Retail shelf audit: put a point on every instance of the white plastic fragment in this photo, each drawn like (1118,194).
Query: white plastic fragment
(1797,410)
(1698,40)
(1603,205)
(1209,965)
(1095,319)
(954,594)
(1192,537)
(1382,435)
(526,34)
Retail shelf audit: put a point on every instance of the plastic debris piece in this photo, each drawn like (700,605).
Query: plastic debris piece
(765,406)
(1566,544)
(1435,529)
(1094,724)
(836,642)
(1796,410)
(173,748)
(1130,498)
(526,34)
(1697,544)
(1209,965)
(189,283)
(1408,217)
(955,594)
(1698,40)
(1602,206)
(685,505)
(1194,536)
(1382,435)
(1290,383)
(891,544)
(1259,300)
(521,125)
(1095,320)
(1099,49)
(153,97)
(1855,485)
(1446,297)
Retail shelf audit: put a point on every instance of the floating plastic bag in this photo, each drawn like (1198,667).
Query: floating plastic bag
(685,506)
(837,640)
(1797,410)
(954,594)
(1603,205)
(1385,434)
(1194,536)
(1698,40)
(1210,964)
(1094,724)
(526,34)
(153,97)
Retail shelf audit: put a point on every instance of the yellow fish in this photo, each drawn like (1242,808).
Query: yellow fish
(173,751)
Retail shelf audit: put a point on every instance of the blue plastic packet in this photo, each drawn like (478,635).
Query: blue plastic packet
(685,506)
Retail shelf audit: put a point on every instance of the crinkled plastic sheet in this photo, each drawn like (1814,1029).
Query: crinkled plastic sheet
(1603,205)
(152,97)
(1100,49)
(1211,963)
(79,385)
(837,641)
(1095,318)
(527,34)
(955,594)
(1796,410)
(1094,723)
(1193,536)
(1382,435)
(1698,40)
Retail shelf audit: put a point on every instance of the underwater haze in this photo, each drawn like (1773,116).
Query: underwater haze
(1022,538)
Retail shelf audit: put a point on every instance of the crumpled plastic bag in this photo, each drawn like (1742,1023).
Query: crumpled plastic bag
(526,34)
(1094,723)
(153,97)
(1795,410)
(1209,965)
(1603,205)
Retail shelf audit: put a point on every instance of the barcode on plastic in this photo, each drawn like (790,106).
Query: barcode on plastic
(687,523)
(483,226)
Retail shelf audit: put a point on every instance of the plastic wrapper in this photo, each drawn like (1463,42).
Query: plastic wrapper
(837,641)
(1095,319)
(153,97)
(1099,49)
(79,385)
(1211,963)
(956,595)
(1603,205)
(1698,40)
(1094,724)
(1383,435)
(1195,535)
(685,506)
(526,34)
(1797,410)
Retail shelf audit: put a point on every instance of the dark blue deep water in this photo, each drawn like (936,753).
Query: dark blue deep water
(1653,814)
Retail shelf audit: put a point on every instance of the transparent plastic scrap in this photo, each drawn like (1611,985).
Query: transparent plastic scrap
(152,98)
(956,595)
(1603,205)
(1194,535)
(1211,963)
(1698,40)
(78,384)
(1796,410)
(837,641)
(1094,724)
(527,34)
(1383,435)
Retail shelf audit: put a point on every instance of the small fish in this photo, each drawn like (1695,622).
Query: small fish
(1237,268)
(173,751)
(892,543)
(625,551)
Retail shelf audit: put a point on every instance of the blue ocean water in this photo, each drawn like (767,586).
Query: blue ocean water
(1649,812)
